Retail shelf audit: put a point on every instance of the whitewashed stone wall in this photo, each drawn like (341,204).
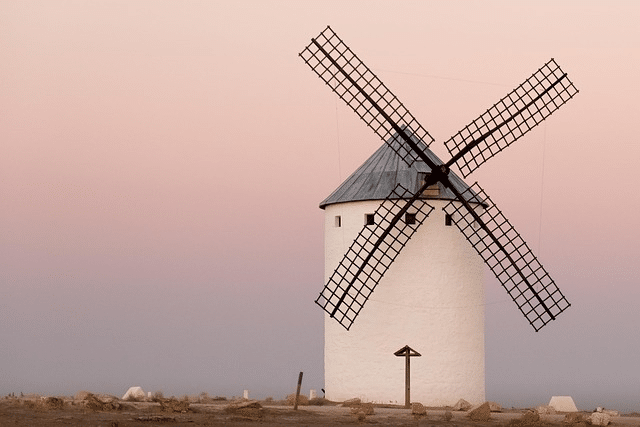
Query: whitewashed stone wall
(432,299)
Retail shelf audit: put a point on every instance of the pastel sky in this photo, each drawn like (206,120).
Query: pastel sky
(161,165)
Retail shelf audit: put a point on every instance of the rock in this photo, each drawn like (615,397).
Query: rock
(545,410)
(600,419)
(494,407)
(96,403)
(480,412)
(418,408)
(611,413)
(362,408)
(352,402)
(462,405)
(447,416)
(572,418)
(81,395)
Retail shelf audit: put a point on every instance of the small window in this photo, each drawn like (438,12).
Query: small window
(410,218)
(369,219)
(448,220)
(338,221)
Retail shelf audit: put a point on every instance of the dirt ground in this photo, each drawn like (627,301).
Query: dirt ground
(67,412)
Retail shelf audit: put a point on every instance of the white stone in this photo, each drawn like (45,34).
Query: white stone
(563,404)
(431,299)
(245,394)
(134,392)
(312,394)
(495,407)
(600,419)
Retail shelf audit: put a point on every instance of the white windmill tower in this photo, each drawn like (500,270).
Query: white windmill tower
(432,299)
(429,295)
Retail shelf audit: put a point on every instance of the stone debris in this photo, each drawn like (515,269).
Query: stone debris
(362,410)
(609,412)
(462,405)
(351,402)
(546,410)
(573,418)
(418,408)
(81,395)
(480,412)
(96,403)
(600,419)
(495,407)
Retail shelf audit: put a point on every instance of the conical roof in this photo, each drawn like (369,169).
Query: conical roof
(380,174)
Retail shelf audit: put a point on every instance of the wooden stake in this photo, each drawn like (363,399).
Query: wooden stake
(295,405)
(407,352)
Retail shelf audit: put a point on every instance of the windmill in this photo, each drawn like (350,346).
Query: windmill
(406,207)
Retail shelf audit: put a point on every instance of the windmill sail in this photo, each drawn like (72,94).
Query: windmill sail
(510,118)
(362,91)
(371,254)
(509,257)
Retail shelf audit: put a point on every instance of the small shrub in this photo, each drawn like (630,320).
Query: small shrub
(302,400)
(447,416)
(158,395)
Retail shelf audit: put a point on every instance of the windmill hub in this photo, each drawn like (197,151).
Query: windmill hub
(441,172)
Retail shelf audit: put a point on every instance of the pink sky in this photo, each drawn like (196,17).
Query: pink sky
(162,164)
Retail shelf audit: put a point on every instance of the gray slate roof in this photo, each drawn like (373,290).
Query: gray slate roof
(380,174)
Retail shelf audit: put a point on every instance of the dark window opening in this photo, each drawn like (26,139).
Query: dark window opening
(410,218)
(448,220)
(338,221)
(369,219)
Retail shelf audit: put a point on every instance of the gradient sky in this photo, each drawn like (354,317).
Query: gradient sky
(162,162)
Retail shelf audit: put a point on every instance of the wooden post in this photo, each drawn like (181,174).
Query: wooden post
(295,405)
(407,352)
(407,380)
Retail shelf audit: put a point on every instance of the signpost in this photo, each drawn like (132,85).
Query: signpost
(407,352)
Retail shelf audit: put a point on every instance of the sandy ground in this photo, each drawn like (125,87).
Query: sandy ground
(31,412)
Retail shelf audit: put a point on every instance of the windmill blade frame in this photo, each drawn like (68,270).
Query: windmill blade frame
(371,254)
(509,258)
(341,69)
(510,118)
